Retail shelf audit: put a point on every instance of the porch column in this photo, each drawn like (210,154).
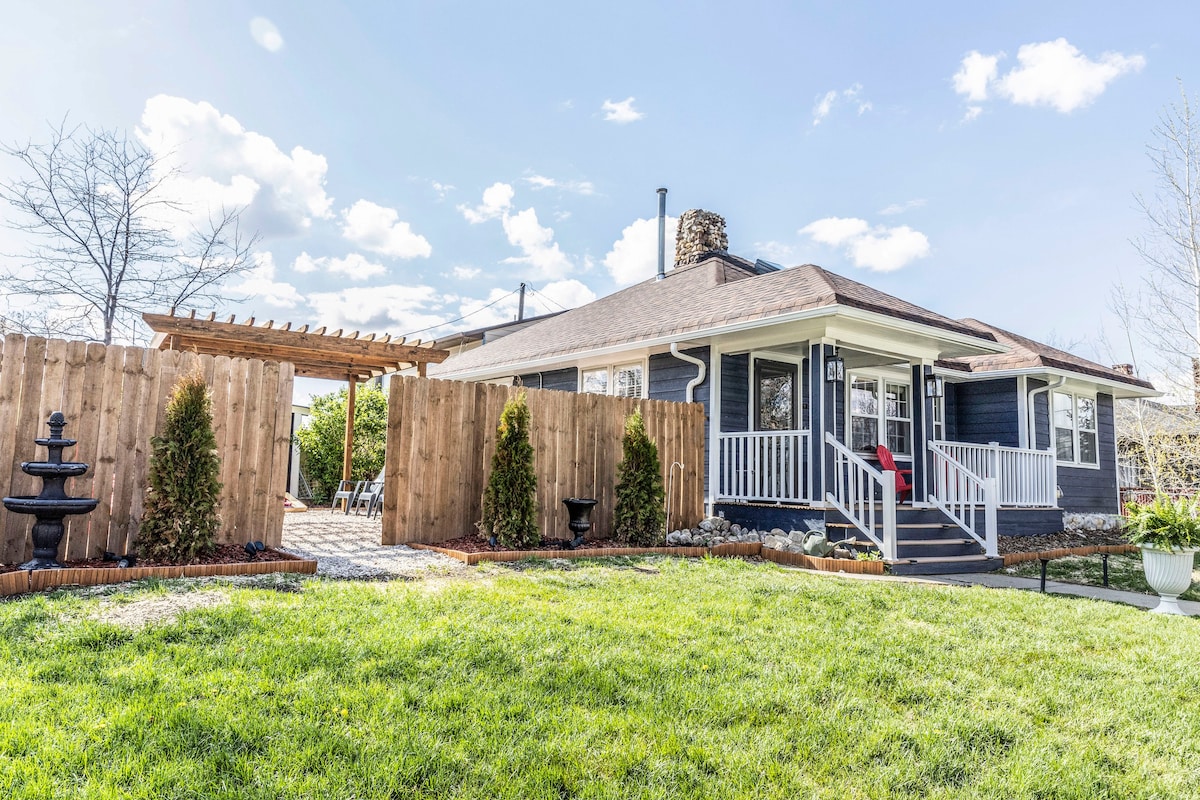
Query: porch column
(922,434)
(822,417)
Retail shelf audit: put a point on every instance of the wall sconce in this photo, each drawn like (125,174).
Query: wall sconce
(935,386)
(835,368)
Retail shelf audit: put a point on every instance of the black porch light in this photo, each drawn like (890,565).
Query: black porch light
(935,386)
(835,368)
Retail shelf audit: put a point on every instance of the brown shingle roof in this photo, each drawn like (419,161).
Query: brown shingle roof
(1025,353)
(720,290)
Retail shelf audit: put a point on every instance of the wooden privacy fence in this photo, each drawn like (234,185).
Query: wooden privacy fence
(441,436)
(114,399)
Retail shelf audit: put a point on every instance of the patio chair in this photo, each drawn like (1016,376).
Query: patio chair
(903,476)
(369,494)
(348,491)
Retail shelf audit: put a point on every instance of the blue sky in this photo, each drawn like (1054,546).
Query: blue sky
(408,164)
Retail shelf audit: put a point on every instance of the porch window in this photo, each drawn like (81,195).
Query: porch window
(622,380)
(1075,437)
(880,418)
(774,396)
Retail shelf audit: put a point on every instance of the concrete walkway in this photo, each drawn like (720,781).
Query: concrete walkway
(347,546)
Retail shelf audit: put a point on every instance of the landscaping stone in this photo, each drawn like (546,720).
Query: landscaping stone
(1093,522)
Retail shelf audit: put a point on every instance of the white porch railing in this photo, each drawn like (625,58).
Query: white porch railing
(1023,477)
(963,495)
(768,466)
(854,485)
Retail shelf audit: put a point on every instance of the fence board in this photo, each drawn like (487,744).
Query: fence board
(114,399)
(442,435)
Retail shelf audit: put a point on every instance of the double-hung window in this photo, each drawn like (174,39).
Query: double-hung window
(622,380)
(880,413)
(1075,439)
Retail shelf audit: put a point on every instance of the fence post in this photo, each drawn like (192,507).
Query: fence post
(889,515)
(990,534)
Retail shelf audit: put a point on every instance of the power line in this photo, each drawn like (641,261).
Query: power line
(464,316)
(548,298)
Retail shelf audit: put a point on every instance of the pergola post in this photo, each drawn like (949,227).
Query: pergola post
(348,452)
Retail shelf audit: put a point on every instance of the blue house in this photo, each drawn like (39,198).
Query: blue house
(804,373)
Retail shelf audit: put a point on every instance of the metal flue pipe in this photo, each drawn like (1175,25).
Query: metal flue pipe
(662,234)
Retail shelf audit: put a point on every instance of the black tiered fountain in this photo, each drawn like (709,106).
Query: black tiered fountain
(52,504)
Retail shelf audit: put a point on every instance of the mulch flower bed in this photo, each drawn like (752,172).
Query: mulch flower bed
(1058,541)
(222,554)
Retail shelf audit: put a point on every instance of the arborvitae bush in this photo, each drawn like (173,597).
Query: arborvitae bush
(509,503)
(639,518)
(180,520)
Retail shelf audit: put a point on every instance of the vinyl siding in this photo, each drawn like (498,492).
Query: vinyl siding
(668,380)
(985,411)
(735,393)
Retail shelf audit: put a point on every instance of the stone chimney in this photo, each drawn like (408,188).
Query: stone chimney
(1124,369)
(700,232)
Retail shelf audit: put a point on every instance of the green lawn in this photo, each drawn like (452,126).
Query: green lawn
(1124,572)
(649,678)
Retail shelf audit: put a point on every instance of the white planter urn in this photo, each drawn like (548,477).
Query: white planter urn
(1169,572)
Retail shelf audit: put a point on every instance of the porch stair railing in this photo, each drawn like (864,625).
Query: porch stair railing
(765,466)
(963,496)
(855,485)
(1024,477)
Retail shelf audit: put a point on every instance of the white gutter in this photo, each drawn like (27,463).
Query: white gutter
(700,365)
(1031,412)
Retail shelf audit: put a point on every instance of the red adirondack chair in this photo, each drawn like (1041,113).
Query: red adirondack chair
(903,476)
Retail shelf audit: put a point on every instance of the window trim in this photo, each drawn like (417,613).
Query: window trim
(1075,396)
(610,369)
(881,378)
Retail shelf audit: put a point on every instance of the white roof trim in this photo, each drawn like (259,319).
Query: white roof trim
(884,320)
(1127,389)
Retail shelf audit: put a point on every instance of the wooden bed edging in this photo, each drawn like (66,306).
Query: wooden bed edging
(849,566)
(23,581)
(1020,558)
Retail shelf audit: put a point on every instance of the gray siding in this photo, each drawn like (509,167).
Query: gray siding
(669,377)
(950,405)
(735,393)
(986,411)
(562,380)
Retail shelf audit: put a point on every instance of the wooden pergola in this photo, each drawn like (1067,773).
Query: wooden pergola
(315,354)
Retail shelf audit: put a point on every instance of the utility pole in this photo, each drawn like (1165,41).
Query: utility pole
(521,304)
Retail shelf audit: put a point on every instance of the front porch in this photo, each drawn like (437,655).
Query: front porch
(793,433)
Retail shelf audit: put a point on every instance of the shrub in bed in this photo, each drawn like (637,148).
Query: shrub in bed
(180,521)
(509,502)
(639,517)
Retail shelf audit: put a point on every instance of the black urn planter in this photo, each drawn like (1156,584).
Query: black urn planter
(580,509)
(53,504)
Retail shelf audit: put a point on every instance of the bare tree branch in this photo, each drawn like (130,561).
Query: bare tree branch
(94,202)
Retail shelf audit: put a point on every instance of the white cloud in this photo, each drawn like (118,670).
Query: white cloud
(354,266)
(900,208)
(536,243)
(852,96)
(465,273)
(395,309)
(974,74)
(497,200)
(972,113)
(224,165)
(260,284)
(634,257)
(442,189)
(774,251)
(622,113)
(568,294)
(379,230)
(522,229)
(579,187)
(266,34)
(1054,74)
(881,248)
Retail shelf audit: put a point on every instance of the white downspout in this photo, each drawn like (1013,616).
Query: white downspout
(1030,411)
(696,381)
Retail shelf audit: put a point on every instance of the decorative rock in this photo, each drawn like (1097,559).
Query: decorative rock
(706,526)
(797,537)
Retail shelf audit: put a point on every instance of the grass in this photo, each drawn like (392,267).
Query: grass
(653,678)
(1124,572)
